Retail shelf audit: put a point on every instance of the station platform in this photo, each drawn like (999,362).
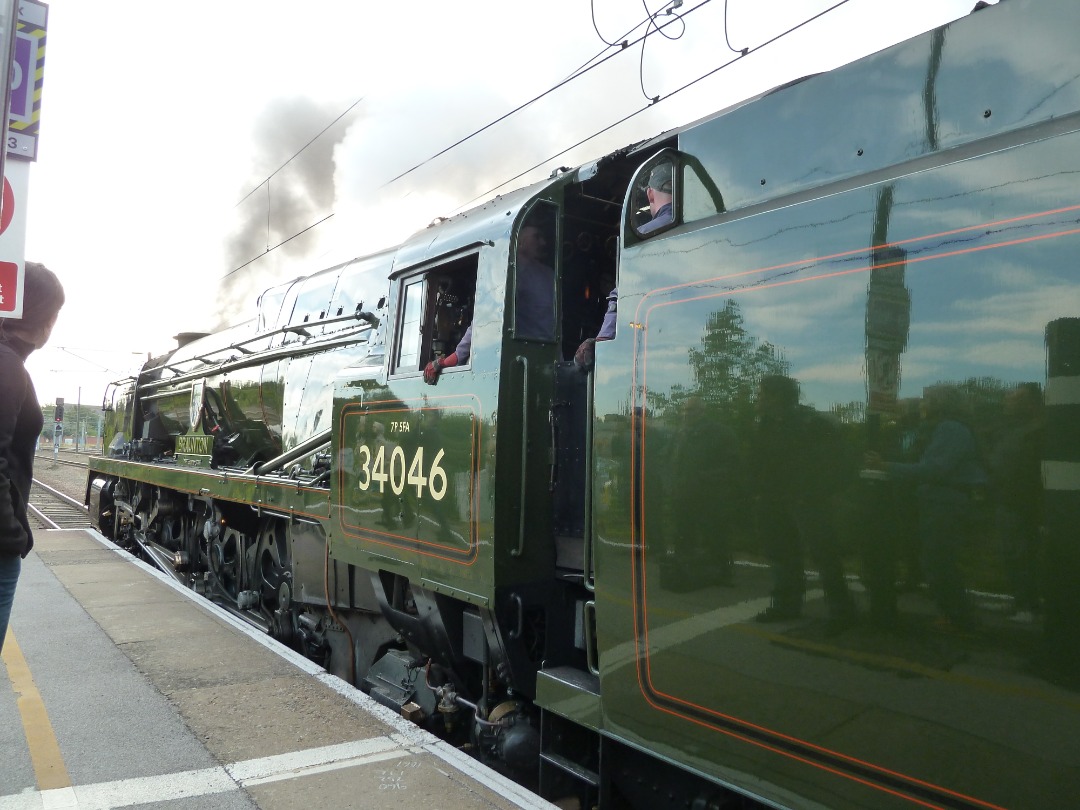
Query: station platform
(125,690)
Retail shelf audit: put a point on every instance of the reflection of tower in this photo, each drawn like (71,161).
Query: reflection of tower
(888,314)
(937,45)
(888,303)
(1061,499)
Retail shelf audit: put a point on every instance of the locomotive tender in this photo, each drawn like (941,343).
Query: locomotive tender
(730,562)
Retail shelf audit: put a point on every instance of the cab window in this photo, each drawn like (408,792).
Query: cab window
(653,202)
(436,306)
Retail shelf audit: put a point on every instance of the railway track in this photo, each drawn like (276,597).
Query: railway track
(79,459)
(50,508)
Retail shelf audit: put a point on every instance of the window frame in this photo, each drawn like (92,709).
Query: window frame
(448,264)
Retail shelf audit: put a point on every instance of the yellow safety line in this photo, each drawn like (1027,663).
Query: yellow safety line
(49,768)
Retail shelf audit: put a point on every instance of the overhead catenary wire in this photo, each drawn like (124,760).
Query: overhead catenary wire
(727,39)
(596,28)
(637,112)
(266,182)
(579,72)
(279,244)
(576,75)
(652,28)
(620,42)
(669,9)
(298,152)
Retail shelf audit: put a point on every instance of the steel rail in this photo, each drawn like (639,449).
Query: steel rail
(60,495)
(37,513)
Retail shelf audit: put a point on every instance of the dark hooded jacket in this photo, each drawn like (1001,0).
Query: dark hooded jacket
(20,426)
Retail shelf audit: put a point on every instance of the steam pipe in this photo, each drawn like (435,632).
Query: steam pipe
(303,449)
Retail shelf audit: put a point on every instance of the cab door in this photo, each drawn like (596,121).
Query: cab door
(532,349)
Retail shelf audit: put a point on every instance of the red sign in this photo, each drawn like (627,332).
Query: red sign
(13,236)
(9,279)
(8,209)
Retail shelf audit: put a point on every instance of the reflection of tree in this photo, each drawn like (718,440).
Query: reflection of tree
(983,398)
(849,413)
(727,365)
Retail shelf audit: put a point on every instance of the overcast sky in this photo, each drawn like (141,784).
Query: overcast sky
(158,118)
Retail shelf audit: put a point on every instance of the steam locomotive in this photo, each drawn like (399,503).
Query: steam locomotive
(805,533)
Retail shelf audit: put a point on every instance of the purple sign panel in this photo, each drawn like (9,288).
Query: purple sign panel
(27,70)
(22,79)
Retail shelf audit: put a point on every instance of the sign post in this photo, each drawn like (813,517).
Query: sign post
(22,58)
(9,15)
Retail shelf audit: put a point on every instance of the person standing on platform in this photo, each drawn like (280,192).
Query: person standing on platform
(21,422)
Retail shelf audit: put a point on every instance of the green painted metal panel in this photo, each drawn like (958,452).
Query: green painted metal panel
(715,505)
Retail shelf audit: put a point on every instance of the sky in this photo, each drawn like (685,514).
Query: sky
(173,184)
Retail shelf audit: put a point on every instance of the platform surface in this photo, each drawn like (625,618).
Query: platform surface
(124,690)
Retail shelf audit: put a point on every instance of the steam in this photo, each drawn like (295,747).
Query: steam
(348,172)
(290,201)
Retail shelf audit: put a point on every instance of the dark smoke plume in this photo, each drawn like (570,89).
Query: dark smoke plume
(298,193)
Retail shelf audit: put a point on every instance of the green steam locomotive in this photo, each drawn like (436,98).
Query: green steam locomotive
(799,529)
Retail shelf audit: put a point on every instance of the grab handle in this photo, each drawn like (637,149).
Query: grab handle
(517,552)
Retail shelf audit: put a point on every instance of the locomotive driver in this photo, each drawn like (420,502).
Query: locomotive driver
(535,303)
(658,193)
(459,355)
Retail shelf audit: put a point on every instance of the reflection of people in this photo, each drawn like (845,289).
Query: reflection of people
(658,193)
(946,475)
(20,423)
(794,461)
(703,494)
(1015,464)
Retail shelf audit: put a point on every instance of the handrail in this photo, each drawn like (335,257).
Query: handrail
(587,557)
(369,318)
(517,552)
(305,448)
(590,637)
(287,350)
(519,630)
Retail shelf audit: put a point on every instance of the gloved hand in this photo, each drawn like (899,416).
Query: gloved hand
(585,355)
(432,371)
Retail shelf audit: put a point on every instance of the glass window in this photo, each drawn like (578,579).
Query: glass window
(436,313)
(653,200)
(700,196)
(412,312)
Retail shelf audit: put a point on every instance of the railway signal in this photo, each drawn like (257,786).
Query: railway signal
(58,426)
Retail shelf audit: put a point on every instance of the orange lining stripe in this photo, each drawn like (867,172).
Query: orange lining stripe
(855,252)
(466,558)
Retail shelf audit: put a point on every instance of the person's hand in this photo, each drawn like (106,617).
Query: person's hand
(585,355)
(432,371)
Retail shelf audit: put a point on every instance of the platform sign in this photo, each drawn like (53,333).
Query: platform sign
(27,71)
(13,237)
